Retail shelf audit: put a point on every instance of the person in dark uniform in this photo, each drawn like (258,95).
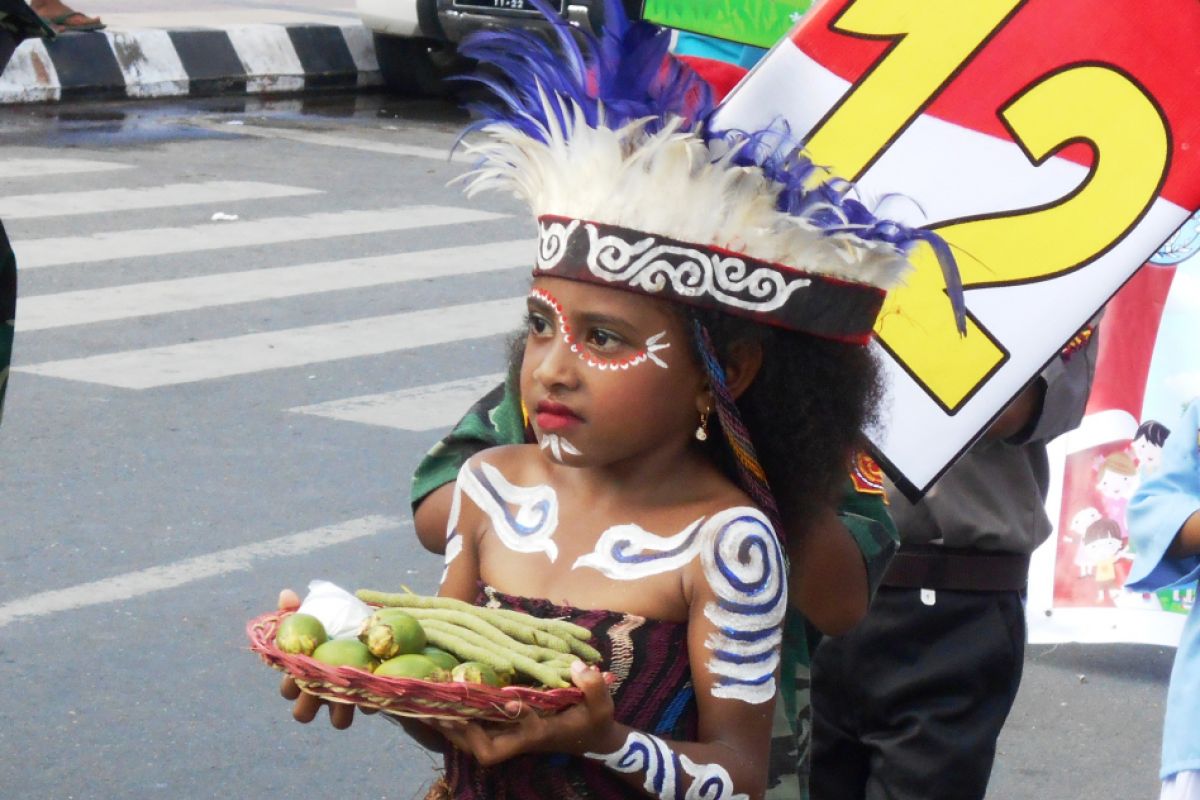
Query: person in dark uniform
(18,22)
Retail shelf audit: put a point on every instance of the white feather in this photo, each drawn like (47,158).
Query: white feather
(670,183)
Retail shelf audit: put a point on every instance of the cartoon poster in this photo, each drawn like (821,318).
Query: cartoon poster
(1148,369)
(1052,143)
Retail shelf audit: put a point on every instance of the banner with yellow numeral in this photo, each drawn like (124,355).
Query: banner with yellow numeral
(1052,143)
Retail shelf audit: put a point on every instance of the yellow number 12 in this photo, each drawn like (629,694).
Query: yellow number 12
(1094,103)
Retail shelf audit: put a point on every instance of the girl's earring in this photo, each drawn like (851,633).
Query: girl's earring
(702,431)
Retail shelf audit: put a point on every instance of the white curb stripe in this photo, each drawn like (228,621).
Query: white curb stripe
(30,76)
(421,408)
(269,58)
(181,573)
(257,352)
(62,309)
(110,201)
(361,44)
(149,63)
(37,253)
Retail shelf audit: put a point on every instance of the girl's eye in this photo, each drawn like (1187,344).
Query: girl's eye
(538,325)
(604,341)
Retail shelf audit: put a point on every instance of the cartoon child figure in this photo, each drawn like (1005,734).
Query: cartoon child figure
(1080,522)
(1102,548)
(1116,482)
(1147,445)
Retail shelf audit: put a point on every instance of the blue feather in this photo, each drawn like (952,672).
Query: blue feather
(627,72)
(827,204)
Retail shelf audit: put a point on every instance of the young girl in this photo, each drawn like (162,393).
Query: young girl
(696,332)
(1164,525)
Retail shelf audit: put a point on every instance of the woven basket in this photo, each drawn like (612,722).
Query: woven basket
(407,697)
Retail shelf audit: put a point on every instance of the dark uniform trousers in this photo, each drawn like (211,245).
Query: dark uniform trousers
(911,701)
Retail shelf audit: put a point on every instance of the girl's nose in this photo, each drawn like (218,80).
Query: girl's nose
(558,364)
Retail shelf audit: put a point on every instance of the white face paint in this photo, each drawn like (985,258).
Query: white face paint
(558,447)
(743,563)
(643,752)
(531,528)
(653,344)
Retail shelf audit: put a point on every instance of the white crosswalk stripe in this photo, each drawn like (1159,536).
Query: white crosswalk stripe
(256,352)
(229,288)
(45,167)
(111,201)
(109,246)
(422,408)
(353,143)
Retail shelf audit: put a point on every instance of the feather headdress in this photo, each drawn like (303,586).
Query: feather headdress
(607,139)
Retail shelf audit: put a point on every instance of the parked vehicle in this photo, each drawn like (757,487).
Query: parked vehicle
(415,40)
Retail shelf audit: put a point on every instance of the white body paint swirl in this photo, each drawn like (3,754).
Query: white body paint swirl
(558,447)
(643,752)
(743,564)
(531,528)
(629,552)
(453,537)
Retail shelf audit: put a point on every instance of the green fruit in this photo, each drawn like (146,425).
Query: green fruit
(475,672)
(300,633)
(393,635)
(440,657)
(346,653)
(412,665)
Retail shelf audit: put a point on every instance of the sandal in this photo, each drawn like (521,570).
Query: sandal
(60,23)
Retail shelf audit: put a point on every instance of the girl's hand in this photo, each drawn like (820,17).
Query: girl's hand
(306,706)
(579,729)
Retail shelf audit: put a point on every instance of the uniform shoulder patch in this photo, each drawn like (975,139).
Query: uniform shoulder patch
(867,476)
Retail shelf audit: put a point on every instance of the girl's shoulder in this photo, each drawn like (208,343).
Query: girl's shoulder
(742,517)
(514,460)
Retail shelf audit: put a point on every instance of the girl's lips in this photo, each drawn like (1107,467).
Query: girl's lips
(556,422)
(555,416)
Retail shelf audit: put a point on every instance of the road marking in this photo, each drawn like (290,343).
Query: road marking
(190,570)
(421,408)
(350,142)
(108,246)
(257,352)
(108,201)
(230,288)
(42,167)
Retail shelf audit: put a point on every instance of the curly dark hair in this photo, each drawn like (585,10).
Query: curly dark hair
(805,410)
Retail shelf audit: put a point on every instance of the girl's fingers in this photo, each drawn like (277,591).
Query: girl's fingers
(288,600)
(591,681)
(306,707)
(341,715)
(288,688)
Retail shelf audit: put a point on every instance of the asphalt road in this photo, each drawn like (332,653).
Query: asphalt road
(204,411)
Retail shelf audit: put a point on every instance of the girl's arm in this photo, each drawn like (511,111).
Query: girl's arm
(460,544)
(1187,541)
(465,523)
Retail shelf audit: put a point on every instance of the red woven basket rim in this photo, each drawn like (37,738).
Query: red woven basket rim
(402,696)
